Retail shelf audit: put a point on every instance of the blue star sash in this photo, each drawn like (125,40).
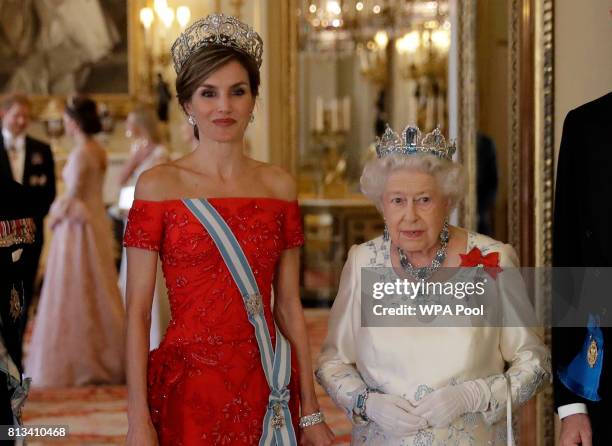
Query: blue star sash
(277,427)
(582,375)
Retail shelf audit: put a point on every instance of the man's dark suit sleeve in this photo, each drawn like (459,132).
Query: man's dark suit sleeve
(51,187)
(567,341)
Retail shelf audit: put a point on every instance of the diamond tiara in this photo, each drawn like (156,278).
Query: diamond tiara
(216,29)
(411,143)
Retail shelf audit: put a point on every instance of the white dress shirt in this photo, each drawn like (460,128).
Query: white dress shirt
(571,409)
(15,148)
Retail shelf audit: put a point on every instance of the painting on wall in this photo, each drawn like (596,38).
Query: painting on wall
(54,48)
(57,47)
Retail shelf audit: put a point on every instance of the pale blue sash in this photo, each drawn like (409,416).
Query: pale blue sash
(277,427)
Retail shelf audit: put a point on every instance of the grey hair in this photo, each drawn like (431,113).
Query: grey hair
(449,175)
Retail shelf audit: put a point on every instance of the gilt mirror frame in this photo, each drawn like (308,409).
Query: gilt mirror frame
(532,172)
(531,150)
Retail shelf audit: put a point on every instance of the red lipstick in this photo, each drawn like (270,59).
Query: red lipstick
(224,122)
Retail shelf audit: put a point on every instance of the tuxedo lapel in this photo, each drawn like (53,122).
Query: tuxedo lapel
(27,161)
(5,164)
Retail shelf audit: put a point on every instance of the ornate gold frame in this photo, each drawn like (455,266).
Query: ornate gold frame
(118,104)
(544,188)
(466,105)
(282,47)
(532,172)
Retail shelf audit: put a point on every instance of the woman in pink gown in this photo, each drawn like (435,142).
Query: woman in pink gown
(78,336)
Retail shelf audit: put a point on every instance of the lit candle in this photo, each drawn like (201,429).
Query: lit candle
(363,60)
(346,113)
(412,102)
(334,115)
(441,122)
(167,17)
(429,113)
(319,114)
(183,15)
(146,18)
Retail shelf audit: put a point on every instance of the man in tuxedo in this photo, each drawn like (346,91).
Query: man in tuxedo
(30,163)
(582,237)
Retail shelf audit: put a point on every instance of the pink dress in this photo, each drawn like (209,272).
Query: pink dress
(79,330)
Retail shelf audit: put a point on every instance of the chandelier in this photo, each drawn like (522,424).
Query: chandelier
(340,26)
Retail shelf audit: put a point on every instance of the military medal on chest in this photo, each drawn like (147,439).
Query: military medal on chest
(15,304)
(592,353)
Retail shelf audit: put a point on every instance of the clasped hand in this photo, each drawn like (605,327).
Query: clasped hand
(443,406)
(393,414)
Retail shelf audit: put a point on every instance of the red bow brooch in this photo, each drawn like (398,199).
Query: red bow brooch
(490,262)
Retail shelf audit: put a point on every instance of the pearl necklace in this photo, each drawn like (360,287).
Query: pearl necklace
(427,271)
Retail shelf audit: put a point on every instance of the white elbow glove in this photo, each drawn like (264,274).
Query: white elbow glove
(443,406)
(393,414)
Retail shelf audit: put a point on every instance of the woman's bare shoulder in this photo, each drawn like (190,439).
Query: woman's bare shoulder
(158,182)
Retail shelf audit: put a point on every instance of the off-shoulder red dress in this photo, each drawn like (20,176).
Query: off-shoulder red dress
(206,385)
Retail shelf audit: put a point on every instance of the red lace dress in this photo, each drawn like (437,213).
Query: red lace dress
(206,385)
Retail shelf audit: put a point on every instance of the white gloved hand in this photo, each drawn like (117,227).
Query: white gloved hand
(443,406)
(393,414)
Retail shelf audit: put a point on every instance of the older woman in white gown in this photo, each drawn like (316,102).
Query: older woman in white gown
(426,385)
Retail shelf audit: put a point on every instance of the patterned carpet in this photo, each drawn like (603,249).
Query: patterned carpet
(97,415)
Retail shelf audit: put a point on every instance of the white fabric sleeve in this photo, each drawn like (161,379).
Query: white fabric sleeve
(336,370)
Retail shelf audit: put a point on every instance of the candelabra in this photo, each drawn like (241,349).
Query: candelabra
(328,131)
(373,60)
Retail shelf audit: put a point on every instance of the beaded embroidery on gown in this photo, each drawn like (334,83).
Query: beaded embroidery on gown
(79,330)
(206,385)
(160,312)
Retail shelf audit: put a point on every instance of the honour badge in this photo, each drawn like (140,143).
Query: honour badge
(278,420)
(15,304)
(592,353)
(36,159)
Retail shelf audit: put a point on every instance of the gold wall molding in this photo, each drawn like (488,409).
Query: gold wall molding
(466,110)
(531,176)
(282,47)
(544,192)
(513,144)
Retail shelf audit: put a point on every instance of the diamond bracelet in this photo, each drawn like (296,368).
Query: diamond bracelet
(312,419)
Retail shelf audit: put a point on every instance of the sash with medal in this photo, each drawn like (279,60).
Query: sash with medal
(277,427)
(582,375)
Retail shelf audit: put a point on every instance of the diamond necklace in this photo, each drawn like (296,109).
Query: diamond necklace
(427,271)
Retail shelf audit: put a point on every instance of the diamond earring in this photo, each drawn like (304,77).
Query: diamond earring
(252,118)
(386,233)
(191,120)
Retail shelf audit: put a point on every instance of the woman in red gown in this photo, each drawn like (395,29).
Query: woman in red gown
(205,384)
